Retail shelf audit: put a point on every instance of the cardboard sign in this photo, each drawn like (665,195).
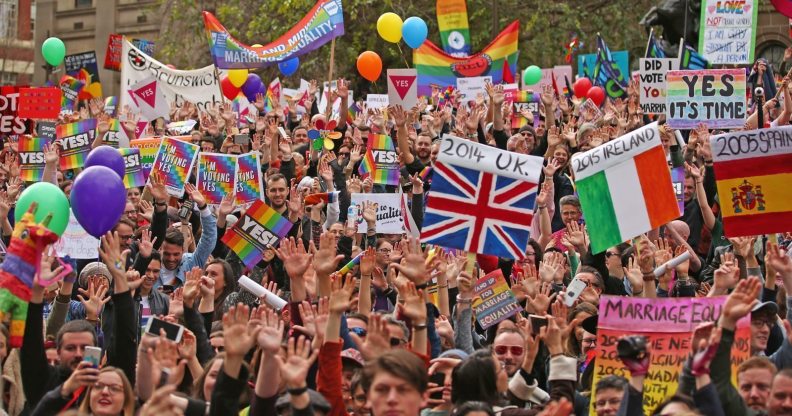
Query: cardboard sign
(10,121)
(249,183)
(31,158)
(83,66)
(403,87)
(652,74)
(389,215)
(46,130)
(116,136)
(76,243)
(174,163)
(712,96)
(261,227)
(75,141)
(70,91)
(217,176)
(470,87)
(133,175)
(381,161)
(149,99)
(39,103)
(148,153)
(523,101)
(728,31)
(494,301)
(376,101)
(322,105)
(678,180)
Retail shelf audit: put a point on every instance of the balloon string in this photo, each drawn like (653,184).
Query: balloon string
(374,85)
(398,45)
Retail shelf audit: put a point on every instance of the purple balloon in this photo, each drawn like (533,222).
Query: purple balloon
(107,156)
(98,199)
(252,86)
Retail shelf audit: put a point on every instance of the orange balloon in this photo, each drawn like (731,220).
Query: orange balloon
(369,65)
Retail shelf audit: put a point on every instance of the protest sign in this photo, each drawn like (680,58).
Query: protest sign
(524,101)
(198,86)
(76,243)
(482,199)
(148,97)
(470,88)
(712,96)
(10,121)
(589,106)
(46,130)
(70,90)
(111,106)
(678,181)
(217,176)
(652,74)
(148,152)
(75,140)
(249,183)
(389,214)
(181,127)
(31,158)
(322,106)
(174,163)
(113,53)
(376,101)
(133,175)
(668,323)
(728,31)
(753,170)
(402,87)
(83,66)
(261,226)
(116,136)
(625,187)
(39,103)
(494,301)
(381,161)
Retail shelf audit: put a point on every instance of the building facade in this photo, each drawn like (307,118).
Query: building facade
(16,42)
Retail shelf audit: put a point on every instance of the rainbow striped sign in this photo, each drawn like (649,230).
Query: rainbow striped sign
(712,96)
(31,158)
(249,184)
(75,141)
(148,152)
(174,163)
(216,176)
(381,161)
(133,177)
(260,227)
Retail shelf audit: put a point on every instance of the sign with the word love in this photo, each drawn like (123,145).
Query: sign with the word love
(402,87)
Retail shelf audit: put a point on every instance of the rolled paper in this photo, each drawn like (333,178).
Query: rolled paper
(352,263)
(676,261)
(270,298)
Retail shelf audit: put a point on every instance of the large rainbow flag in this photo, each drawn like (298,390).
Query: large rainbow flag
(498,59)
(323,22)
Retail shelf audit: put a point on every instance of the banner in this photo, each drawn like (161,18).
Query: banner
(198,86)
(498,60)
(75,140)
(115,50)
(174,163)
(381,160)
(31,158)
(668,323)
(624,187)
(452,22)
(83,66)
(482,199)
(324,22)
(712,96)
(402,88)
(249,183)
(133,176)
(753,170)
(728,31)
(261,227)
(652,93)
(148,153)
(76,243)
(494,301)
(376,101)
(389,214)
(217,176)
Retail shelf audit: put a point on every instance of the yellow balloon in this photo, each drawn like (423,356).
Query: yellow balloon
(257,45)
(237,77)
(389,27)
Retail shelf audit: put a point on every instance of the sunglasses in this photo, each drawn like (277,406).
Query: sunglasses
(514,349)
(395,342)
(361,332)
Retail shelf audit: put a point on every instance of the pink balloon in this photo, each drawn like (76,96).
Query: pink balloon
(170,66)
(597,94)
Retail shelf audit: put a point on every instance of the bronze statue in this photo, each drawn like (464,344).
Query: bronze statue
(678,18)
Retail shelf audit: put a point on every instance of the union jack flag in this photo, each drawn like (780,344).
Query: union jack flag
(479,212)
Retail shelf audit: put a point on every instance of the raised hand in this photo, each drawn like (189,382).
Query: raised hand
(541,300)
(195,195)
(414,265)
(341,294)
(236,329)
(146,245)
(740,302)
(299,358)
(728,274)
(325,259)
(271,329)
(377,338)
(294,257)
(368,261)
(414,306)
(94,298)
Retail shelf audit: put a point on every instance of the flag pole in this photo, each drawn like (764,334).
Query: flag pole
(648,41)
(219,86)
(332,60)
(679,55)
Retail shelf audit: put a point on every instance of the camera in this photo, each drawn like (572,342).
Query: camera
(632,347)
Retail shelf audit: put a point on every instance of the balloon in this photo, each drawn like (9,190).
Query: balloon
(257,45)
(53,50)
(50,200)
(369,65)
(289,66)
(229,90)
(107,156)
(98,198)
(389,27)
(596,94)
(238,77)
(414,31)
(532,75)
(252,86)
(581,87)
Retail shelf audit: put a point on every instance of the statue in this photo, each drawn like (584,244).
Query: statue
(671,15)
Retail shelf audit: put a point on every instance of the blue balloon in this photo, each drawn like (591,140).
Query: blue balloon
(107,156)
(289,66)
(414,31)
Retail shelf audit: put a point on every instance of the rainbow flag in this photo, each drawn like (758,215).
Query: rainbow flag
(31,158)
(76,139)
(452,22)
(249,185)
(70,90)
(260,227)
(133,176)
(381,161)
(216,176)
(323,22)
(753,181)
(351,265)
(437,67)
(174,163)
(354,110)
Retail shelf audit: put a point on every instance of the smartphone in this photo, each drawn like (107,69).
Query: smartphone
(93,355)
(573,291)
(537,322)
(439,379)
(242,139)
(282,132)
(173,332)
(186,209)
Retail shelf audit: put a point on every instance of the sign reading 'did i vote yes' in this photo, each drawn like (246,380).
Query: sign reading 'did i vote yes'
(714,96)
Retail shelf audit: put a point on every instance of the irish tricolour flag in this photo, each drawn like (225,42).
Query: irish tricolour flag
(625,188)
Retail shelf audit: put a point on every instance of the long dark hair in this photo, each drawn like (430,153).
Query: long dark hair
(475,380)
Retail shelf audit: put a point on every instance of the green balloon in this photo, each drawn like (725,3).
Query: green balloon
(532,75)
(54,51)
(50,199)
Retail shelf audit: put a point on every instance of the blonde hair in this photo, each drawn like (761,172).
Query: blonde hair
(128,409)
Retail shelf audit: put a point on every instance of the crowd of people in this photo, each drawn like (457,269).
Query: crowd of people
(372,341)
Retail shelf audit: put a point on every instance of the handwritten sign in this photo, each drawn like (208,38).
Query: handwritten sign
(652,74)
(728,31)
(376,101)
(75,140)
(470,87)
(39,103)
(668,323)
(389,213)
(249,184)
(479,157)
(174,163)
(216,176)
(76,243)
(10,121)
(494,301)
(713,96)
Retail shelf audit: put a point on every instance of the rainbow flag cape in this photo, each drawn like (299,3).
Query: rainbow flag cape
(381,161)
(260,227)
(133,176)
(499,58)
(323,22)
(76,139)
(31,158)
(217,176)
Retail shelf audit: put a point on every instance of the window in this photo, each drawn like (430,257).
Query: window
(82,4)
(142,18)
(774,53)
(78,25)
(8,19)
(8,78)
(33,16)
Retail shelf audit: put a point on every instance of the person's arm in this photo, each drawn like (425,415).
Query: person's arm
(402,137)
(463,331)
(701,196)
(51,160)
(159,220)
(414,308)
(367,263)
(209,226)
(232,380)
(60,308)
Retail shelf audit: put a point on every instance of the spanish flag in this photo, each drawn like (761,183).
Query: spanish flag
(439,68)
(753,171)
